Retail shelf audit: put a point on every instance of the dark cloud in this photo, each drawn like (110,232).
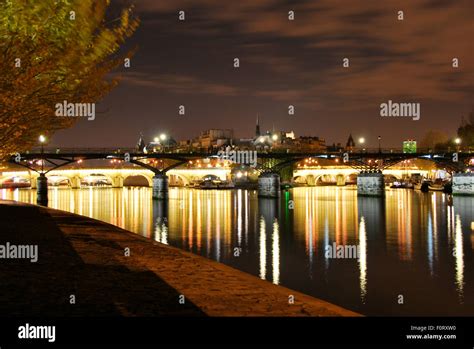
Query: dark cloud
(300,62)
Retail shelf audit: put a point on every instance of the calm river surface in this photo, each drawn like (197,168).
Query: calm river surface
(416,245)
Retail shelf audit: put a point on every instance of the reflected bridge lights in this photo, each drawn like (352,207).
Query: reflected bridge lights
(161,230)
(363,259)
(275,258)
(458,253)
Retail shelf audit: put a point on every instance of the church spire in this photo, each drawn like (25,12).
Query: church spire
(141,143)
(350,143)
(257,127)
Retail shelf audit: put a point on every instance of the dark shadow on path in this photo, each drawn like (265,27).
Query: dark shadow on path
(101,289)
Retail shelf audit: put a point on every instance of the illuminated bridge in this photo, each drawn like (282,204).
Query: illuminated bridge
(368,166)
(75,178)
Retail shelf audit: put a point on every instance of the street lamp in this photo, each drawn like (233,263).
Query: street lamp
(156,140)
(362,142)
(458,142)
(380,147)
(275,137)
(163,138)
(42,140)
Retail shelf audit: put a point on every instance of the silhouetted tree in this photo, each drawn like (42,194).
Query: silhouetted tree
(466,131)
(433,139)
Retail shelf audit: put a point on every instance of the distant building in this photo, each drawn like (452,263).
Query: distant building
(244,143)
(310,144)
(160,144)
(284,141)
(264,141)
(335,147)
(272,140)
(290,135)
(214,138)
(280,141)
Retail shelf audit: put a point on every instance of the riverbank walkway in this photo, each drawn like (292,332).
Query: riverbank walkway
(83,270)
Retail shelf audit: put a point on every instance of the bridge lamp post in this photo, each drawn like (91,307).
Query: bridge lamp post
(156,140)
(261,142)
(274,138)
(163,138)
(458,142)
(380,147)
(42,140)
(362,142)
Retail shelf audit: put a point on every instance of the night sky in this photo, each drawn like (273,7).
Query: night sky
(286,62)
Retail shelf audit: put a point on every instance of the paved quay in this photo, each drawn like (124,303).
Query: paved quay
(84,260)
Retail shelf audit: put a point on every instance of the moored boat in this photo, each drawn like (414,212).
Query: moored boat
(423,186)
(440,185)
(436,187)
(402,185)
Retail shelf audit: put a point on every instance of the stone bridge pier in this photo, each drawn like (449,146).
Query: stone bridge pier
(340,180)
(370,184)
(269,185)
(463,184)
(117,182)
(42,190)
(160,186)
(75,182)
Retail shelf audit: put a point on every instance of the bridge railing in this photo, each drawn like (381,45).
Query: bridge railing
(62,150)
(123,150)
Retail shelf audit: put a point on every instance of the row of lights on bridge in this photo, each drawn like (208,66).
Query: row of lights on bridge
(163,137)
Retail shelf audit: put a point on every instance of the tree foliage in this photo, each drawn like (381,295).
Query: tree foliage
(54,51)
(466,131)
(432,139)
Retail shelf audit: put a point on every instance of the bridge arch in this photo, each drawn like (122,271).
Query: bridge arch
(299,179)
(58,180)
(311,180)
(210,177)
(15,180)
(341,179)
(390,177)
(111,180)
(352,177)
(177,180)
(139,179)
(324,178)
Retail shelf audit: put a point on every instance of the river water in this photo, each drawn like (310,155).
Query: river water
(415,250)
